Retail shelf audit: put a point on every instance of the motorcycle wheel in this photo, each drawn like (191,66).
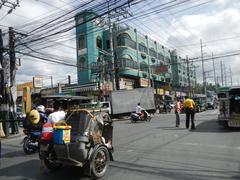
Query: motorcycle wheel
(27,146)
(133,121)
(50,163)
(100,162)
(149,118)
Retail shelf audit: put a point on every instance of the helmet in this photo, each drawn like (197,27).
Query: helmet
(41,108)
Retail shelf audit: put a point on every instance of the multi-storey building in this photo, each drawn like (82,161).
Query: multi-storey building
(139,60)
(184,73)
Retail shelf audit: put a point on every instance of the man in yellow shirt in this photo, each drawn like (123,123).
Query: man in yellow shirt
(189,107)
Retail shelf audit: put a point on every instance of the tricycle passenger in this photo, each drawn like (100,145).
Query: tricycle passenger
(57,115)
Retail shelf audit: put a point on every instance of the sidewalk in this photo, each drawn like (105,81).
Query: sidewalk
(12,136)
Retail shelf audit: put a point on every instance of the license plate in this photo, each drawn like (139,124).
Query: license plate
(44,147)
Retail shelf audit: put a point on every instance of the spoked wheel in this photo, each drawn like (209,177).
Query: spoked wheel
(100,162)
(50,161)
(27,147)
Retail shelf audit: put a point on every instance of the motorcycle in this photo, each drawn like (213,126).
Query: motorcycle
(135,117)
(30,141)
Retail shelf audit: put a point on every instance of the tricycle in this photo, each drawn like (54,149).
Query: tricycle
(83,139)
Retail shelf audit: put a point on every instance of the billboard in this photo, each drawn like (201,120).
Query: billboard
(161,69)
(37,82)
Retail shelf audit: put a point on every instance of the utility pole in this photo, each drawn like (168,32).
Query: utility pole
(111,50)
(230,69)
(225,75)
(52,85)
(4,114)
(214,71)
(69,80)
(188,74)
(203,72)
(222,72)
(13,90)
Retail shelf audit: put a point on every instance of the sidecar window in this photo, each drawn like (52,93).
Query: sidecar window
(80,122)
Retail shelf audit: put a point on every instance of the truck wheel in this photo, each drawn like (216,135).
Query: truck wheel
(100,162)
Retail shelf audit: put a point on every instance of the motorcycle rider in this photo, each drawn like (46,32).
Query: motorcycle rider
(43,116)
(139,111)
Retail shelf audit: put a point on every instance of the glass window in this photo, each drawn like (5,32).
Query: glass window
(125,40)
(81,64)
(143,48)
(108,44)
(160,57)
(152,53)
(143,67)
(99,42)
(81,41)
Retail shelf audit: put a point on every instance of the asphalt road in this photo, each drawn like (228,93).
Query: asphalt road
(152,150)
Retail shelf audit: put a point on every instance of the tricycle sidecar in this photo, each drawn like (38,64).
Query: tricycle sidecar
(89,145)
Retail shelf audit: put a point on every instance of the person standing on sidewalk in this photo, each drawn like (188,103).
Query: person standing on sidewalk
(177,111)
(189,108)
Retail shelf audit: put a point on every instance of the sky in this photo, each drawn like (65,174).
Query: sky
(180,27)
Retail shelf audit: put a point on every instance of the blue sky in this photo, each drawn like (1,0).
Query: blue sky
(216,22)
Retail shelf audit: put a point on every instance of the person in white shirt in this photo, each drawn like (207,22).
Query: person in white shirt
(57,115)
(139,110)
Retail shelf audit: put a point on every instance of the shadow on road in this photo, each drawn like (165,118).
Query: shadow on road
(213,126)
(179,172)
(31,170)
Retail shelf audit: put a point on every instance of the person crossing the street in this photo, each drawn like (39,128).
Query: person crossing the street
(189,108)
(177,111)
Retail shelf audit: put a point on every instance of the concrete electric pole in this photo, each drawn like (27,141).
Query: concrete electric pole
(203,72)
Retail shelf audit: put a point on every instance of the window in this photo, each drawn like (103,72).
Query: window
(160,57)
(143,48)
(81,41)
(108,44)
(81,64)
(125,40)
(144,67)
(152,53)
(99,42)
(127,62)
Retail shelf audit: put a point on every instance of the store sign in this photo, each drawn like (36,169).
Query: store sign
(160,91)
(107,87)
(37,82)
(23,85)
(125,83)
(161,69)
(144,82)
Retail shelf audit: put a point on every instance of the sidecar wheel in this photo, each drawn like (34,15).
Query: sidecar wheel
(50,162)
(100,162)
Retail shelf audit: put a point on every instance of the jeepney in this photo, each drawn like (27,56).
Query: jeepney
(229,106)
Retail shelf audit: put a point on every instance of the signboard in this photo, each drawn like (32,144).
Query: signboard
(160,91)
(23,85)
(125,83)
(161,69)
(144,82)
(37,82)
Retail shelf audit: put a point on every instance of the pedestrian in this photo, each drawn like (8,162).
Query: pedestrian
(177,111)
(189,108)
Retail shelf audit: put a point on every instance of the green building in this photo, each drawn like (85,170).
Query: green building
(139,60)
